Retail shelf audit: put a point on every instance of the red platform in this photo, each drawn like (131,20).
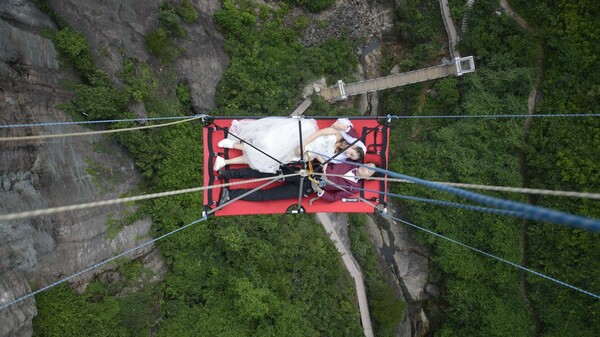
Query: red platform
(374,134)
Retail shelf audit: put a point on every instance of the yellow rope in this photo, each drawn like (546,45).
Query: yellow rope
(59,135)
(47,211)
(310,169)
(572,194)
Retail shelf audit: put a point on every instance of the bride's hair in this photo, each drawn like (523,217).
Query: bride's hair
(343,145)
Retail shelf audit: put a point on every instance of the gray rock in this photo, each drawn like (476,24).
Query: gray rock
(203,61)
(16,319)
(114,29)
(408,265)
(432,290)
(119,29)
(347,18)
(55,172)
(138,109)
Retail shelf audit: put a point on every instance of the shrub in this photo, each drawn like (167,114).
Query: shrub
(169,21)
(160,44)
(313,6)
(74,47)
(187,11)
(97,102)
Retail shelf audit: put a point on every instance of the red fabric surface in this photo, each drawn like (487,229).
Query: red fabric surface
(376,153)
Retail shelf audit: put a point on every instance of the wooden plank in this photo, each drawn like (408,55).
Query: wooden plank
(332,93)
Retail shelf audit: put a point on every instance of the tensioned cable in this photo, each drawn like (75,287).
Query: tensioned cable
(88,133)
(341,187)
(346,148)
(537,191)
(572,194)
(446,203)
(529,211)
(22,298)
(242,141)
(497,258)
(183,117)
(47,211)
(494,116)
(273,180)
(19,299)
(103,121)
(301,188)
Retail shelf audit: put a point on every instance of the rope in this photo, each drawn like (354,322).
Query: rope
(88,133)
(92,122)
(495,116)
(344,149)
(498,258)
(448,203)
(301,187)
(22,298)
(434,201)
(273,179)
(242,141)
(509,189)
(29,295)
(341,187)
(528,211)
(311,172)
(528,190)
(47,211)
(184,117)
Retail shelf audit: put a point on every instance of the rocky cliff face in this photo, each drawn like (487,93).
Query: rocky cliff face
(117,29)
(47,173)
(33,175)
(408,264)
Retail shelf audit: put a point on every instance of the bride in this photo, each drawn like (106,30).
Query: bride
(275,142)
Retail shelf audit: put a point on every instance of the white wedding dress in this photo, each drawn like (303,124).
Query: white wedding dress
(324,146)
(277,138)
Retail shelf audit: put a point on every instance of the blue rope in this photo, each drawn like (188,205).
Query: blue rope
(459,205)
(493,116)
(388,116)
(94,122)
(22,298)
(530,212)
(448,203)
(498,258)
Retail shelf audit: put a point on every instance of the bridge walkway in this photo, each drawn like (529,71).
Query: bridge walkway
(343,91)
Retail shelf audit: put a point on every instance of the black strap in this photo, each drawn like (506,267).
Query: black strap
(249,144)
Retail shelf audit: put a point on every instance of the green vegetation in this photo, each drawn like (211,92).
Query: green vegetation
(273,276)
(279,276)
(481,297)
(114,226)
(419,24)
(97,312)
(64,313)
(74,47)
(386,310)
(268,66)
(187,11)
(279,270)
(313,6)
(162,42)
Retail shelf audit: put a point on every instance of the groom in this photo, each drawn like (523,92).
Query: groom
(348,179)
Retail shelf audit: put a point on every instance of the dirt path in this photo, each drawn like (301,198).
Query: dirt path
(531,104)
(354,271)
(423,95)
(506,8)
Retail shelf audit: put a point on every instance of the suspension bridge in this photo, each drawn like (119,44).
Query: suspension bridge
(455,67)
